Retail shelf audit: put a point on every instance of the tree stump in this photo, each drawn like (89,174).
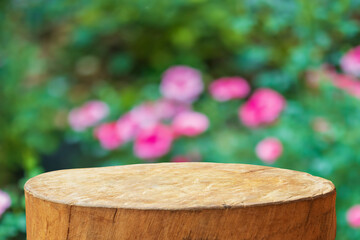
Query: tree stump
(180,201)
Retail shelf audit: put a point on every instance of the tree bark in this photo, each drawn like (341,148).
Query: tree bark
(173,201)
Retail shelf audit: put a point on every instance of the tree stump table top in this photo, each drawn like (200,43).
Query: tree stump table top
(177,186)
(180,201)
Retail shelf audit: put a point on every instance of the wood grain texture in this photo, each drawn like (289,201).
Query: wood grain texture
(180,201)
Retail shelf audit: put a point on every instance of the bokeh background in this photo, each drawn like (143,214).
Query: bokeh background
(57,55)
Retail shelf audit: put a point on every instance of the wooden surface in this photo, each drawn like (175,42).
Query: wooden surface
(180,201)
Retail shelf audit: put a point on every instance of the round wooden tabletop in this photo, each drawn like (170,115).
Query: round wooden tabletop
(173,186)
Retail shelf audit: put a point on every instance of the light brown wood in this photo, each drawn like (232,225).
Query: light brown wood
(180,201)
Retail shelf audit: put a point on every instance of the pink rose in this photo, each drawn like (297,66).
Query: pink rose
(5,202)
(345,82)
(350,62)
(107,134)
(145,115)
(263,107)
(153,142)
(181,83)
(127,128)
(180,159)
(348,84)
(228,88)
(269,150)
(353,216)
(190,124)
(151,113)
(167,109)
(315,76)
(88,115)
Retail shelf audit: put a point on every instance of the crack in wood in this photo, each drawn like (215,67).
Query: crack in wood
(114,217)
(68,230)
(256,170)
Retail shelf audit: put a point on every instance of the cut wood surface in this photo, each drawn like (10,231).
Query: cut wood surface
(180,201)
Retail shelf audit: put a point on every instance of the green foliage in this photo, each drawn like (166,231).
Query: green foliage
(54,55)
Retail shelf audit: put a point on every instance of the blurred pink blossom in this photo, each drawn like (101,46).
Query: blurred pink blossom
(107,134)
(181,83)
(348,83)
(227,88)
(180,158)
(145,115)
(353,216)
(87,115)
(315,76)
(153,142)
(269,150)
(263,107)
(167,109)
(151,113)
(190,124)
(350,62)
(127,128)
(345,82)
(5,202)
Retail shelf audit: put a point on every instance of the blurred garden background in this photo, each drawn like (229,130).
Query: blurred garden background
(101,83)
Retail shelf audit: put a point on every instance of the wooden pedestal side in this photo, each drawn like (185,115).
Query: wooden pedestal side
(185,201)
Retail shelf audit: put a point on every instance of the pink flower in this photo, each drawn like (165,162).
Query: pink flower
(151,113)
(167,109)
(269,149)
(350,62)
(315,76)
(108,136)
(127,128)
(190,124)
(347,83)
(228,88)
(180,159)
(153,142)
(145,115)
(353,216)
(87,115)
(5,202)
(181,83)
(263,107)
